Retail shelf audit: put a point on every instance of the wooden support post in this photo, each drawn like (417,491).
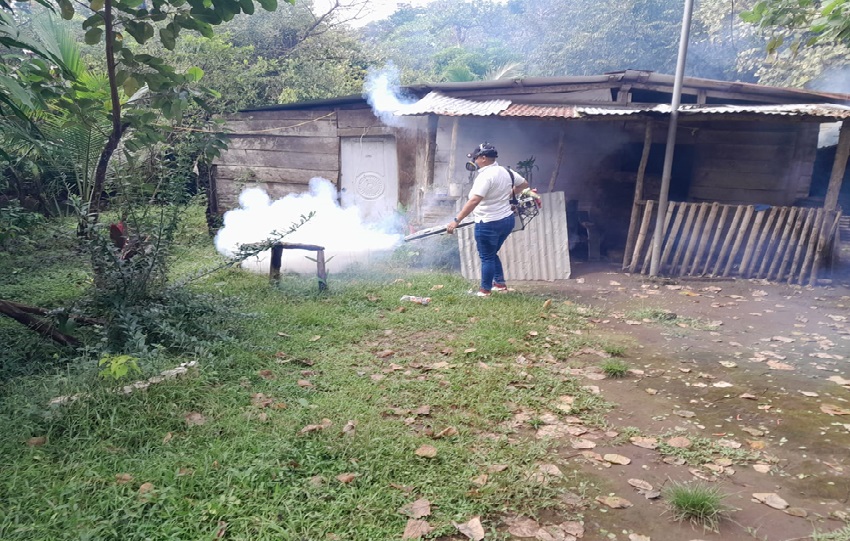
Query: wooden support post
(830,203)
(277,256)
(641,238)
(638,195)
(842,151)
(321,272)
(274,268)
(556,171)
(739,239)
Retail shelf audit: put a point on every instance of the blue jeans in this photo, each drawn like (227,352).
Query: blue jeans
(489,237)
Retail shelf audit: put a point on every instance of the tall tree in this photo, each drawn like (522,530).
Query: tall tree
(110,22)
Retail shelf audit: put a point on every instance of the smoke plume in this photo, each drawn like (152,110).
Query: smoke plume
(382,90)
(339,229)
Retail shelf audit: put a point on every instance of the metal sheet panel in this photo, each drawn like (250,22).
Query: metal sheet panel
(440,104)
(539,252)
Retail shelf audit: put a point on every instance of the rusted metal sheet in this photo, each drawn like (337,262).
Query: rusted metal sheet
(539,252)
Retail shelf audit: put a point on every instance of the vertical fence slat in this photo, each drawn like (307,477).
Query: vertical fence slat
(704,238)
(765,232)
(783,241)
(802,218)
(673,232)
(641,238)
(775,235)
(695,238)
(648,256)
(727,241)
(811,245)
(751,242)
(800,243)
(739,239)
(718,233)
(686,237)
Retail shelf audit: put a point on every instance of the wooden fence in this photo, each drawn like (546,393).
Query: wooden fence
(749,241)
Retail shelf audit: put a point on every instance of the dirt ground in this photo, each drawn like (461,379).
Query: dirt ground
(746,363)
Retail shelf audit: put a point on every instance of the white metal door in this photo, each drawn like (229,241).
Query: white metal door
(369,176)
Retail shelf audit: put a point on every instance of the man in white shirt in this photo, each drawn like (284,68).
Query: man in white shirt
(490,206)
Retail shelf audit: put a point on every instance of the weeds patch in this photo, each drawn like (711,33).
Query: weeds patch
(228,448)
(699,503)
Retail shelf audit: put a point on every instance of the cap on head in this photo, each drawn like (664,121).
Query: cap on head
(484,149)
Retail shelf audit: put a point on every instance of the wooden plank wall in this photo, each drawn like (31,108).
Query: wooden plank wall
(764,162)
(281,151)
(748,241)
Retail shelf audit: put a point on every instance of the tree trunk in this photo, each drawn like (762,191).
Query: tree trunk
(117,127)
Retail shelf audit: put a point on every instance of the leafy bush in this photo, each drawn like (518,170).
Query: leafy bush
(15,223)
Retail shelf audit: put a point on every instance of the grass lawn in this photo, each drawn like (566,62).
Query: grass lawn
(322,419)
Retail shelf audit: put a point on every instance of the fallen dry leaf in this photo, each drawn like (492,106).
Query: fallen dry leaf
(385,353)
(222,529)
(481,480)
(422,410)
(415,529)
(614,502)
(617,459)
(646,443)
(303,383)
(471,529)
(146,488)
(496,468)
(350,428)
(418,509)
(679,442)
(831,409)
(37,441)
(640,484)
(194,419)
(447,432)
(762,468)
(346,478)
(426,451)
(583,444)
(771,499)
(168,437)
(123,478)
(316,338)
(522,527)
(266,374)
(326,423)
(776,365)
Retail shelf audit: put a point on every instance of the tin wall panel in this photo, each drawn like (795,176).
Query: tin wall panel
(539,252)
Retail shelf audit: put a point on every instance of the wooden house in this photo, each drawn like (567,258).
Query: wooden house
(741,194)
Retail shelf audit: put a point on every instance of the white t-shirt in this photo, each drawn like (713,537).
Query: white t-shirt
(493,183)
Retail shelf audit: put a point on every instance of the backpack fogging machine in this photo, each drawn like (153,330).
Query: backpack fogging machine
(526,207)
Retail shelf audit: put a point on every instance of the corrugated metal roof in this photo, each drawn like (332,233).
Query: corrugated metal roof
(538,111)
(440,104)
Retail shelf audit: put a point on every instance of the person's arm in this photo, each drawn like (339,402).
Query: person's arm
(464,212)
(520,183)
